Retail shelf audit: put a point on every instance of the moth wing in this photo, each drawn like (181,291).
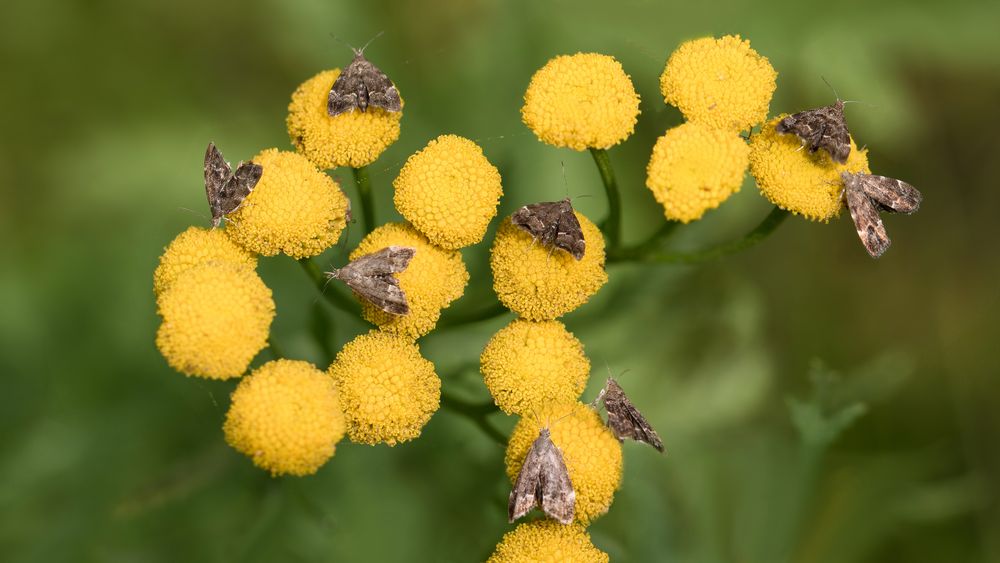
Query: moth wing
(525,494)
(570,234)
(388,99)
(217,173)
(382,291)
(344,92)
(821,128)
(625,421)
(337,104)
(891,194)
(239,186)
(529,220)
(389,260)
(867,221)
(558,496)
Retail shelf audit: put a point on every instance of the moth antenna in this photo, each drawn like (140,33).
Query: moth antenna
(377,35)
(835,94)
(344,43)
(562,417)
(565,182)
(859,102)
(198,213)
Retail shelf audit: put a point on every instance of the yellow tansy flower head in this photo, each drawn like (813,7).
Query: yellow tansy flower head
(434,278)
(796,180)
(539,283)
(194,247)
(528,364)
(388,390)
(353,138)
(581,101)
(722,83)
(547,541)
(695,168)
(286,417)
(295,208)
(216,318)
(592,454)
(449,191)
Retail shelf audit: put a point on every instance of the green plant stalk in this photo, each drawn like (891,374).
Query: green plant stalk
(763,230)
(476,413)
(612,224)
(647,246)
(330,292)
(364,184)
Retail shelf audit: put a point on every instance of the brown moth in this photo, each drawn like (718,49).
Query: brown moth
(371,277)
(821,128)
(866,195)
(624,420)
(544,482)
(362,84)
(553,224)
(227,190)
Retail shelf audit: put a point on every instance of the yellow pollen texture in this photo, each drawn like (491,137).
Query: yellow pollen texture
(592,454)
(286,417)
(581,101)
(540,283)
(216,318)
(388,390)
(194,247)
(722,83)
(434,278)
(694,168)
(796,180)
(353,138)
(547,541)
(528,364)
(449,192)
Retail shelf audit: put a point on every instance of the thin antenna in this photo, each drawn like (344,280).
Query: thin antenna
(344,43)
(835,94)
(377,35)
(565,182)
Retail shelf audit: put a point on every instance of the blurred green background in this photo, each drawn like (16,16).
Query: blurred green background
(108,455)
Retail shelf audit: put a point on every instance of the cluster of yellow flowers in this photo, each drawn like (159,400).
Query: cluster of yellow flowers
(288,415)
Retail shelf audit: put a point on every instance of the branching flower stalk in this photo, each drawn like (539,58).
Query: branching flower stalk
(287,415)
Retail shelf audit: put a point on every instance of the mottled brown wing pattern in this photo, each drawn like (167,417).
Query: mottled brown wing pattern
(866,218)
(821,128)
(544,482)
(372,278)
(226,190)
(553,224)
(624,420)
(892,195)
(362,84)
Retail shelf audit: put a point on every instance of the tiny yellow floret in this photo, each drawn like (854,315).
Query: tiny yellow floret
(286,417)
(540,283)
(694,168)
(194,247)
(797,180)
(592,454)
(528,364)
(449,191)
(294,209)
(581,101)
(216,318)
(354,138)
(388,390)
(434,278)
(547,541)
(722,83)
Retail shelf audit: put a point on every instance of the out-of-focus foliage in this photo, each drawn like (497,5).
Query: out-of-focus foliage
(108,455)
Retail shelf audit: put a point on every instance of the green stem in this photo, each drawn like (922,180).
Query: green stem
(612,224)
(331,294)
(759,233)
(651,244)
(466,317)
(364,184)
(477,413)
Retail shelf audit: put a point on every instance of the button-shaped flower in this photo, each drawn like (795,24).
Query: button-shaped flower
(449,191)
(581,101)
(353,138)
(286,416)
(547,541)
